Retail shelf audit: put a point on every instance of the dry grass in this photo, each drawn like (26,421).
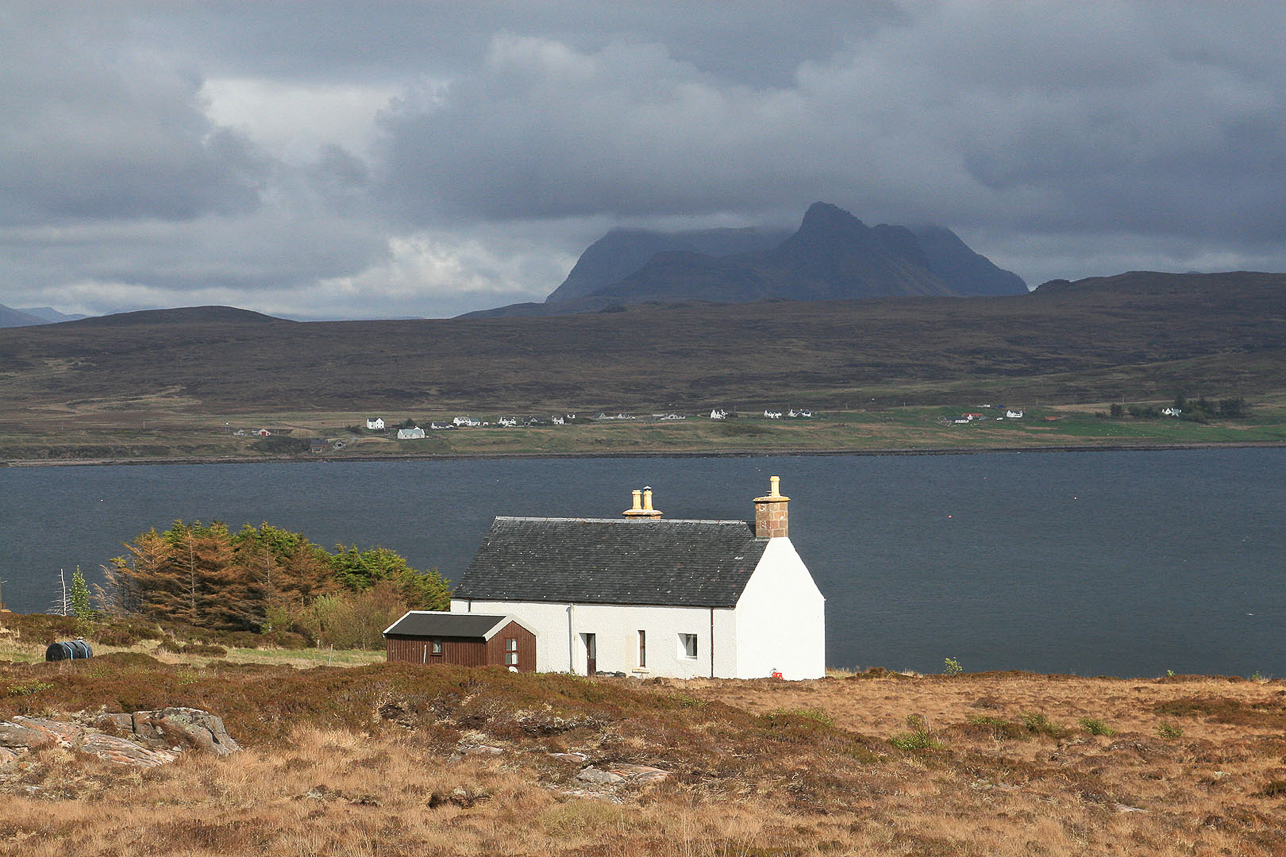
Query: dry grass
(346,762)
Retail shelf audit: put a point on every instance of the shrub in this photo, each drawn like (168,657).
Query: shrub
(952,667)
(1097,727)
(816,715)
(1169,730)
(357,620)
(180,648)
(124,632)
(1039,724)
(42,627)
(288,640)
(919,738)
(998,728)
(27,688)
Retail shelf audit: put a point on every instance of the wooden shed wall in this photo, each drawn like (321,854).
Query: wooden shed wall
(418,650)
(526,647)
(466,652)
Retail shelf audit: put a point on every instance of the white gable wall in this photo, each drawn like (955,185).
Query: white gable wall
(781,618)
(560,644)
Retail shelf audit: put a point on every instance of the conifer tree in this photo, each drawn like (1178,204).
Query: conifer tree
(260,577)
(80,605)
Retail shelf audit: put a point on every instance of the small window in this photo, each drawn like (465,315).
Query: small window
(688,646)
(511,651)
(642,649)
(437,647)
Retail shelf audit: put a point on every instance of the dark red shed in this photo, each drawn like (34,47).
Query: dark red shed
(463,639)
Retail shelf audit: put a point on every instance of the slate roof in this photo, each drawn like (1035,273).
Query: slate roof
(435,623)
(613,561)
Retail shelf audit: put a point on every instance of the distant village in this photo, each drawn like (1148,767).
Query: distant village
(415,432)
(411,430)
(377,426)
(980,416)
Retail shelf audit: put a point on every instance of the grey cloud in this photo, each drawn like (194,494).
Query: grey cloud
(1060,139)
(1055,116)
(100,129)
(755,42)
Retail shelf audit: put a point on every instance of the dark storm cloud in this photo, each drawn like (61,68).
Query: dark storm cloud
(1067,118)
(403,158)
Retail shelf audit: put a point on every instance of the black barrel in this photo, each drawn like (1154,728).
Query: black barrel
(68,651)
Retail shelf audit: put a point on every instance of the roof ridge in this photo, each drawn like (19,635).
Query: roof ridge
(633,521)
(671,561)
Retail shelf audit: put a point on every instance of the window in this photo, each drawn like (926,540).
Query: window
(437,647)
(642,649)
(511,651)
(688,646)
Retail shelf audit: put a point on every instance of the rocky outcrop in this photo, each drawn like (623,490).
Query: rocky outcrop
(143,739)
(187,728)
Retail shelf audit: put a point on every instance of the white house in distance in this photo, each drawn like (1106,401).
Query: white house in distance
(413,433)
(647,597)
(375,424)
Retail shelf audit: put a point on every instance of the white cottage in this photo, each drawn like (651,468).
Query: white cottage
(650,597)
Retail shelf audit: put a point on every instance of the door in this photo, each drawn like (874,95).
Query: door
(591,653)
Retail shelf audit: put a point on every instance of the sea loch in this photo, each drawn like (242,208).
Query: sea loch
(1124,563)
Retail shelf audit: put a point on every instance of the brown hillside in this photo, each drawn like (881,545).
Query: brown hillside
(1094,340)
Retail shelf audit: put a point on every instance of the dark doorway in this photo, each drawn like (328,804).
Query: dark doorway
(591,653)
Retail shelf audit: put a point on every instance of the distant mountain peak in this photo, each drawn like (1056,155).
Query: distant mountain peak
(828,217)
(10,317)
(831,256)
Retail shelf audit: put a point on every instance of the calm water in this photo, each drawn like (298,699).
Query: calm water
(1113,563)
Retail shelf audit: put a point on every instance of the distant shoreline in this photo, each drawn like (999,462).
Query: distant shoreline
(721,453)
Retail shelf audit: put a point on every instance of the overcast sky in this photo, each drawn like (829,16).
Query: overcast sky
(383,159)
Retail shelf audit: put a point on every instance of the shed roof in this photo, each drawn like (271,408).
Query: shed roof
(613,561)
(435,623)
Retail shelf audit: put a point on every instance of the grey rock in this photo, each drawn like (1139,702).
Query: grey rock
(599,776)
(125,752)
(184,727)
(14,735)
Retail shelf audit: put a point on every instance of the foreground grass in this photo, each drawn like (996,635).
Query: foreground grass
(346,762)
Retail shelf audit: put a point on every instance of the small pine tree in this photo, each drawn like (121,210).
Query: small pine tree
(80,606)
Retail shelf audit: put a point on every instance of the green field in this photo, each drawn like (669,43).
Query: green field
(900,429)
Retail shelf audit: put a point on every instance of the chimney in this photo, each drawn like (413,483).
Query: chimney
(642,505)
(771,519)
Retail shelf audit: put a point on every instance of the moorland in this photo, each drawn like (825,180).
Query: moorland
(386,759)
(879,374)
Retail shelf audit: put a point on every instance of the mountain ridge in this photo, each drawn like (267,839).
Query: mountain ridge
(831,256)
(10,317)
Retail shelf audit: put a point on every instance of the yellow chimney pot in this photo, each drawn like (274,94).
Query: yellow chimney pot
(642,505)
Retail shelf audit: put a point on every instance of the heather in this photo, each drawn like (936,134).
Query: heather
(397,759)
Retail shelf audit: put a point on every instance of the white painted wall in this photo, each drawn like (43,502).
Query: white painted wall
(778,624)
(781,617)
(560,645)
